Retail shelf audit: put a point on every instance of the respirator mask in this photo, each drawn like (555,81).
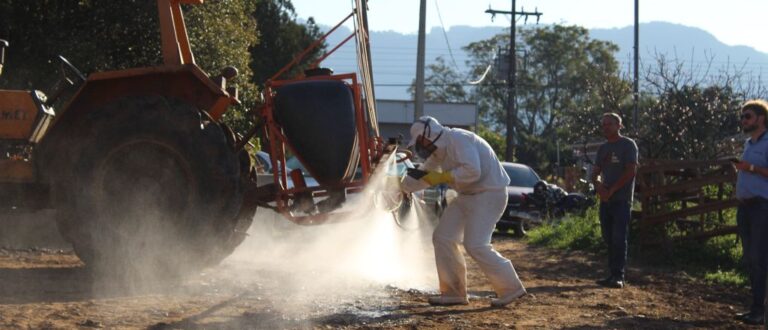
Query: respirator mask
(423,146)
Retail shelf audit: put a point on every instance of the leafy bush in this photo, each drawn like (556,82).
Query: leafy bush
(572,233)
(730,277)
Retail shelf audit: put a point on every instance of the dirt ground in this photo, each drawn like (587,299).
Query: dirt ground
(49,289)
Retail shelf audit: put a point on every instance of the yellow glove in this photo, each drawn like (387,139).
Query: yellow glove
(436,178)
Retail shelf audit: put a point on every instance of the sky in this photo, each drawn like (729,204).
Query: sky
(734,22)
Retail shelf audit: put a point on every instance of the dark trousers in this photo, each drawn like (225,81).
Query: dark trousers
(752,222)
(614,224)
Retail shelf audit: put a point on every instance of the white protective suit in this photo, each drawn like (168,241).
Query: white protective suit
(470,218)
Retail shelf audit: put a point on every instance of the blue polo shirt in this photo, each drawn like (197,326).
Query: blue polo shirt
(750,184)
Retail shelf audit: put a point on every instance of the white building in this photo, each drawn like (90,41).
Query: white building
(396,116)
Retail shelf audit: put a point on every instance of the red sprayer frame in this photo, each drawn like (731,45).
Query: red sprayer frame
(371,149)
(370,145)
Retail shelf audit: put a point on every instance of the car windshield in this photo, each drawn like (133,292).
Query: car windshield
(521,176)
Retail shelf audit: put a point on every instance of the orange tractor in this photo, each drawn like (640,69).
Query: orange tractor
(141,170)
(137,163)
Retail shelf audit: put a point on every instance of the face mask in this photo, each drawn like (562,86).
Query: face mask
(424,147)
(424,151)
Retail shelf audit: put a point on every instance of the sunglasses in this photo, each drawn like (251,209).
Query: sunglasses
(746,116)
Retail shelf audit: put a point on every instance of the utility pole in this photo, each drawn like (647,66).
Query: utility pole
(418,109)
(512,76)
(636,82)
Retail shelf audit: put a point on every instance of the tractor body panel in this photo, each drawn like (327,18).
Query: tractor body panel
(24,121)
(23,116)
(184,82)
(17,171)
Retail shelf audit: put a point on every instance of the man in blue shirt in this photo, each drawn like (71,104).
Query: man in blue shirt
(752,214)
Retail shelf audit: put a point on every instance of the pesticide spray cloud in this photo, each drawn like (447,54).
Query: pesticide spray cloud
(364,249)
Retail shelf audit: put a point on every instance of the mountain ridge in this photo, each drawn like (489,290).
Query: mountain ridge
(394,53)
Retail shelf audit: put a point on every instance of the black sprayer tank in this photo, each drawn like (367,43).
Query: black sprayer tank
(318,119)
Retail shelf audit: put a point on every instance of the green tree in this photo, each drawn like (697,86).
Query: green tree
(689,115)
(690,123)
(491,93)
(281,39)
(494,139)
(442,84)
(565,75)
(565,80)
(221,34)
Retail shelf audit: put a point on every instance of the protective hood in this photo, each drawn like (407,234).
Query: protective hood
(427,126)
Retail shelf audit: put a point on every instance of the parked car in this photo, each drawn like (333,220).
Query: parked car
(516,216)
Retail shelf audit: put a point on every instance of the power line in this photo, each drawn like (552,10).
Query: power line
(445,36)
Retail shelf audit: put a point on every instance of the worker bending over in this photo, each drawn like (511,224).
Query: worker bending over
(467,164)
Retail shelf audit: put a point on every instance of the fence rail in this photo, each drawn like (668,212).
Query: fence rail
(685,198)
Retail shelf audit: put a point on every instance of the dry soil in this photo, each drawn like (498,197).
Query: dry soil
(49,289)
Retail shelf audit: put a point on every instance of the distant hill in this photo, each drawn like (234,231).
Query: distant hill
(683,42)
(394,54)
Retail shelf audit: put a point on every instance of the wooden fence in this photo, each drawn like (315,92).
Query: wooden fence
(688,199)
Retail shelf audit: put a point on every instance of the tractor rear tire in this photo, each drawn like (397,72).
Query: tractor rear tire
(155,188)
